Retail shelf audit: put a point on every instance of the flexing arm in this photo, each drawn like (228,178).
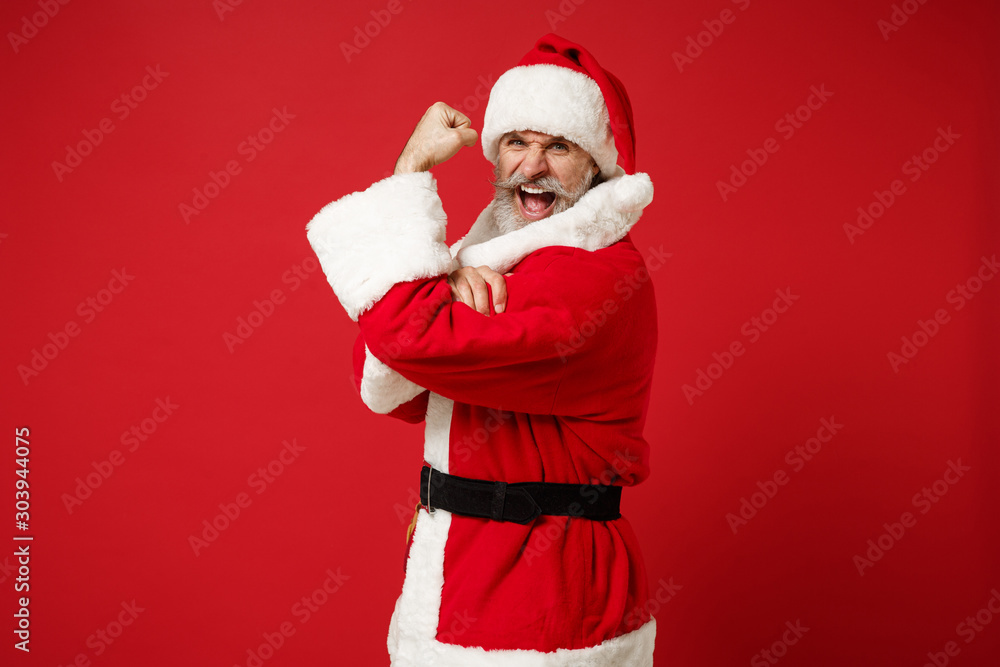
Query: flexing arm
(438,136)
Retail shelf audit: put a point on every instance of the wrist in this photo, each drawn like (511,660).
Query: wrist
(406,165)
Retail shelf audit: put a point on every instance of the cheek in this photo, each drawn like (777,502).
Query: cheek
(507,163)
(570,173)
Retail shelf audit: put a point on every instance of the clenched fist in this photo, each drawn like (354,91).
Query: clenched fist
(440,133)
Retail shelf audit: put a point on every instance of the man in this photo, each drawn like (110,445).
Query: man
(527,348)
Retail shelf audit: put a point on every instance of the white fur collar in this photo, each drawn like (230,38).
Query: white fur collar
(602,216)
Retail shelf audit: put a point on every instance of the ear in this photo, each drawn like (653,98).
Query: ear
(594,169)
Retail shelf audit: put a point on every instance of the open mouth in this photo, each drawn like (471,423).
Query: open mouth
(534,203)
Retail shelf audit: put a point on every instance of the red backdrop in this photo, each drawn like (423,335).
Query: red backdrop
(180,362)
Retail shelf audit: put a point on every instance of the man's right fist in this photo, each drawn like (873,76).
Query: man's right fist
(441,132)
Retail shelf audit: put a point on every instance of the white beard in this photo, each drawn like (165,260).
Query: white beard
(505,211)
(506,215)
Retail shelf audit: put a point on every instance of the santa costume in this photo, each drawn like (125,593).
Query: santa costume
(554,389)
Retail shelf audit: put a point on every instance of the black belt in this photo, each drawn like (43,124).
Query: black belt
(520,502)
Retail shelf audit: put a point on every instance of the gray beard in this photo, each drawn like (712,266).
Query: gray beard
(505,212)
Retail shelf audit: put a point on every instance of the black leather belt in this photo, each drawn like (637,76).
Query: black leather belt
(521,502)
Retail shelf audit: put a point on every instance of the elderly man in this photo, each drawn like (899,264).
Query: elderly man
(527,349)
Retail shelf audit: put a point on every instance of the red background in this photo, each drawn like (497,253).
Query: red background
(343,504)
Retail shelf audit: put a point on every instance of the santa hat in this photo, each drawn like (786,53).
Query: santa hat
(560,89)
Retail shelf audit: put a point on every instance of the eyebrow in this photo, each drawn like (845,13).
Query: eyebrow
(554,140)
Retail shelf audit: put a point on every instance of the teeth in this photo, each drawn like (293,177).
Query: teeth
(533,191)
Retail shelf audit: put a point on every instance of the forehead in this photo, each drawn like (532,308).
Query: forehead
(540,137)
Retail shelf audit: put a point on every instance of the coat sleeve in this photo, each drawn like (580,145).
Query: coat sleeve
(392,232)
(384,390)
(548,353)
(383,252)
(368,241)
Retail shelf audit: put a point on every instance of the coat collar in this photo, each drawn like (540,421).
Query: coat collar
(600,218)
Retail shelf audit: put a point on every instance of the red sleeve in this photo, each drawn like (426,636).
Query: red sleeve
(567,321)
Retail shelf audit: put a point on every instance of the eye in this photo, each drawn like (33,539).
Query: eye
(558,146)
(514,142)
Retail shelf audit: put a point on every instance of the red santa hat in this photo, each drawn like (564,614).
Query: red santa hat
(560,89)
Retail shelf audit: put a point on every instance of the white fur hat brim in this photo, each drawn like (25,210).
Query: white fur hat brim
(554,100)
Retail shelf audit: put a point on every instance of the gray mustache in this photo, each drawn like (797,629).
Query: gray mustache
(546,183)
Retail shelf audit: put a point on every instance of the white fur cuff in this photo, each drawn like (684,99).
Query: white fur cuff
(368,241)
(383,389)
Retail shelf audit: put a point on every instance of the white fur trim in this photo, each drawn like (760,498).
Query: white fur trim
(414,623)
(554,100)
(634,649)
(368,241)
(413,627)
(383,389)
(600,218)
(437,427)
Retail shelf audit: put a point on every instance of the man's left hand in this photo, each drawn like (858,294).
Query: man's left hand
(468,285)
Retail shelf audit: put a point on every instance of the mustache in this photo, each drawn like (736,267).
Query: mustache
(546,183)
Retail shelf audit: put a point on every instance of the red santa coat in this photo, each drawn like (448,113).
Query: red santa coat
(553,389)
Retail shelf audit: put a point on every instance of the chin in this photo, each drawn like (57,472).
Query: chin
(509,219)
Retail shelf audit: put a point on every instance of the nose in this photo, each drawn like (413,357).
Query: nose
(534,164)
